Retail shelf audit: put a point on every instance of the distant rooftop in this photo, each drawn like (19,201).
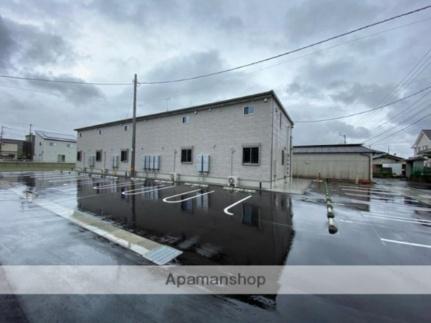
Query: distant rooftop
(332,149)
(427,132)
(56,136)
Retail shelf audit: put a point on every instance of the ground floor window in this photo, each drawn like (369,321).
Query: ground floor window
(282,157)
(250,155)
(98,155)
(186,155)
(124,155)
(79,155)
(61,158)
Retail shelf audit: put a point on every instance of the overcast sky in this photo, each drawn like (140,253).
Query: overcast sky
(110,40)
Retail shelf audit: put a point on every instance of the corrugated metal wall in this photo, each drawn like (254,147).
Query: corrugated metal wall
(334,166)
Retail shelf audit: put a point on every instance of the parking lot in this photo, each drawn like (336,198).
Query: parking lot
(387,223)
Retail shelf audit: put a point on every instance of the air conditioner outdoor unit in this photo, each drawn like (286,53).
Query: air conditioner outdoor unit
(233,181)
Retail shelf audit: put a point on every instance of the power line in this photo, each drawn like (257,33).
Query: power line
(342,44)
(288,52)
(412,124)
(405,81)
(373,138)
(411,107)
(225,70)
(369,110)
(15,77)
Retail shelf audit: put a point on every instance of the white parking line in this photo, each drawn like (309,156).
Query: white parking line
(414,221)
(185,193)
(112,185)
(139,189)
(226,209)
(406,243)
(370,192)
(148,191)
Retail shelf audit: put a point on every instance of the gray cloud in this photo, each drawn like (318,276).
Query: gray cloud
(195,92)
(110,40)
(315,19)
(75,93)
(6,44)
(367,94)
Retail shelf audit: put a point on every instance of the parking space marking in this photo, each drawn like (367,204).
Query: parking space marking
(413,244)
(405,220)
(376,197)
(138,189)
(148,191)
(112,185)
(166,199)
(371,192)
(226,209)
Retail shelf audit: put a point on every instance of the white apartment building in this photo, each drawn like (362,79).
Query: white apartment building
(244,141)
(54,147)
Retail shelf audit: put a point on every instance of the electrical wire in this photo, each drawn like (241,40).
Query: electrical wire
(368,110)
(288,52)
(200,76)
(412,124)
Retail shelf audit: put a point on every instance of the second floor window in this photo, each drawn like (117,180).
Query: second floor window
(78,156)
(248,110)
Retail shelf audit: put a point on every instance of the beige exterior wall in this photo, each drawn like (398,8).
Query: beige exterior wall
(333,166)
(48,150)
(220,132)
(282,131)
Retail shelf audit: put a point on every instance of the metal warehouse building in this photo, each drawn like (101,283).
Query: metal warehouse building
(244,141)
(342,162)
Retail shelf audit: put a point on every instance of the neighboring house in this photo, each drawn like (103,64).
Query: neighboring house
(422,145)
(387,165)
(54,147)
(420,163)
(243,141)
(11,149)
(341,161)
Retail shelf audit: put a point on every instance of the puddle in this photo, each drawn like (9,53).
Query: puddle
(258,233)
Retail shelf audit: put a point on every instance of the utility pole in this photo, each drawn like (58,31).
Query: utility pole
(132,165)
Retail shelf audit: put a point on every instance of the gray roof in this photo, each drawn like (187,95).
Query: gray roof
(388,156)
(55,136)
(427,133)
(332,149)
(212,105)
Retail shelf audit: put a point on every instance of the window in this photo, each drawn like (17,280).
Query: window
(248,110)
(80,134)
(186,155)
(124,155)
(126,127)
(186,119)
(68,145)
(98,155)
(100,131)
(79,155)
(250,155)
(282,157)
(51,144)
(40,143)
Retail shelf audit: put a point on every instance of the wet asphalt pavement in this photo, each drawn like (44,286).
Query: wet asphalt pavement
(387,223)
